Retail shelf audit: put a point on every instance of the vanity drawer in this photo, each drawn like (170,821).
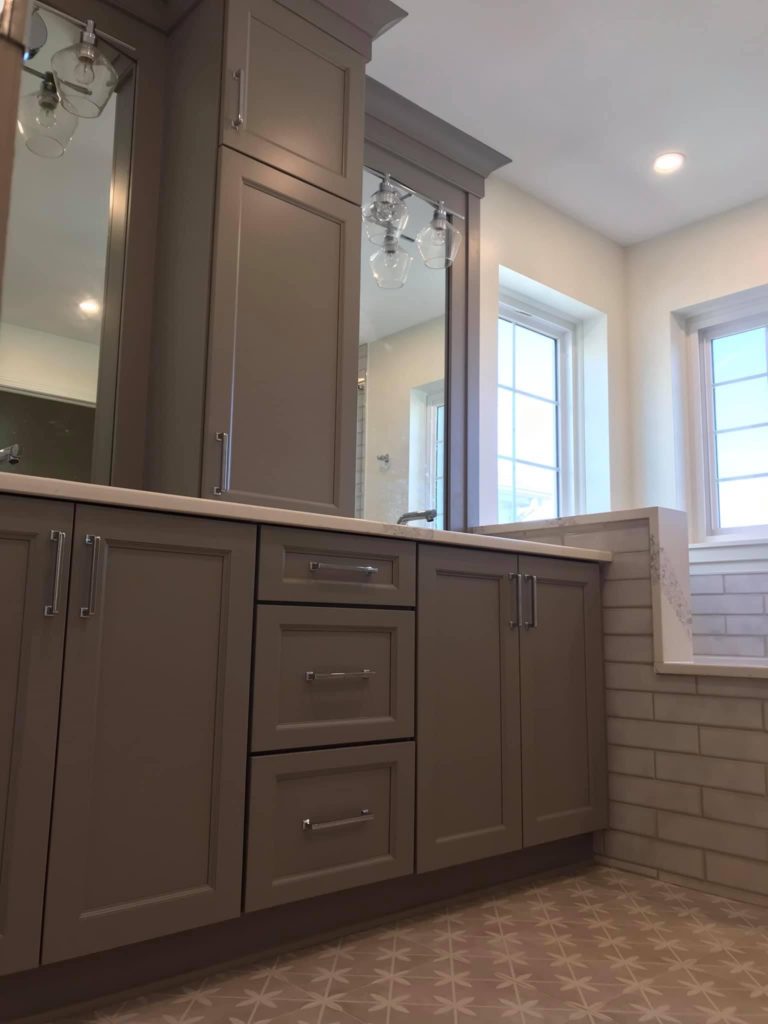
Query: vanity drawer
(328,676)
(316,566)
(325,820)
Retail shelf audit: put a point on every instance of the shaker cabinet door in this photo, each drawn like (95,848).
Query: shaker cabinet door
(147,831)
(282,372)
(293,97)
(35,540)
(562,706)
(468,707)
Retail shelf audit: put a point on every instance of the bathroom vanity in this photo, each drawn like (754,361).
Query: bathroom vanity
(216,709)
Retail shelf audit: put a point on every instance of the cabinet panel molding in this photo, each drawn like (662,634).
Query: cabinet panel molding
(148,812)
(35,537)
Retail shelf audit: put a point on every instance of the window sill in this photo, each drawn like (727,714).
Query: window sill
(741,668)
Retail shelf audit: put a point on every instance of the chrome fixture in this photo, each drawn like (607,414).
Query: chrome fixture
(85,78)
(429,514)
(11,454)
(384,218)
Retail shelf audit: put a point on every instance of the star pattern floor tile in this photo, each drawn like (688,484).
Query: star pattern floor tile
(596,946)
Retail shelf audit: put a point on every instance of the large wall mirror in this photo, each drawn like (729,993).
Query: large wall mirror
(402,398)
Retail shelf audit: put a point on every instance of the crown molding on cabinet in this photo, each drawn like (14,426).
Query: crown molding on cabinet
(356,23)
(399,125)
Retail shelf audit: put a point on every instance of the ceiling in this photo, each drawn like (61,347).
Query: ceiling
(583,94)
(423,297)
(58,220)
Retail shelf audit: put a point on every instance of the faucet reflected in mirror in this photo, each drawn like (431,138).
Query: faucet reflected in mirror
(11,454)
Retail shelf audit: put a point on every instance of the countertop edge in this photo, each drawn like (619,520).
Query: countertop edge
(154,501)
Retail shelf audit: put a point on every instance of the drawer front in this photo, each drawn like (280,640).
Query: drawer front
(325,820)
(315,566)
(328,676)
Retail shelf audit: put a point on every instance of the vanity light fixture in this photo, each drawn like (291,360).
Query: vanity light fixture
(439,241)
(390,264)
(46,127)
(668,163)
(84,77)
(385,213)
(90,307)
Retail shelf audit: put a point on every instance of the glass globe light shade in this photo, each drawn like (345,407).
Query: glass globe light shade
(385,213)
(45,126)
(390,265)
(439,241)
(84,77)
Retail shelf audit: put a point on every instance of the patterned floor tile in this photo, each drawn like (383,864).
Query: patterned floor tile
(596,946)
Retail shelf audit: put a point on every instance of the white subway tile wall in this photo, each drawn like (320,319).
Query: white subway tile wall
(687,757)
(730,614)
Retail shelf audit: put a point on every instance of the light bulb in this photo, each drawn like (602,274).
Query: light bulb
(385,213)
(45,126)
(439,241)
(390,265)
(84,77)
(84,74)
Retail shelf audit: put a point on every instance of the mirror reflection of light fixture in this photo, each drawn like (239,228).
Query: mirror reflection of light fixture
(439,241)
(84,77)
(385,213)
(37,35)
(89,307)
(46,127)
(390,265)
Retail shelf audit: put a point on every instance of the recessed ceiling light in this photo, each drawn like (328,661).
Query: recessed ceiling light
(668,163)
(90,307)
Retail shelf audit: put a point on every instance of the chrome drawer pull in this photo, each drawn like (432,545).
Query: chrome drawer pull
(534,581)
(308,825)
(517,577)
(321,677)
(367,570)
(224,470)
(94,542)
(239,119)
(59,538)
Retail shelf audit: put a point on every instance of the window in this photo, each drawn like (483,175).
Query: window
(530,421)
(436,415)
(734,368)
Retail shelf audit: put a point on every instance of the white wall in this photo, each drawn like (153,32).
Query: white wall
(47,364)
(396,365)
(705,261)
(537,241)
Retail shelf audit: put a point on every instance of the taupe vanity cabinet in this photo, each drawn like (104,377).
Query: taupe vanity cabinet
(35,545)
(147,827)
(282,361)
(510,715)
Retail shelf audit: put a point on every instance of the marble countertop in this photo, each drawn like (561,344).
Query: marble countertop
(98,494)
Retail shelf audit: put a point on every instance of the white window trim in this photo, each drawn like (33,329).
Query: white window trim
(570,419)
(709,491)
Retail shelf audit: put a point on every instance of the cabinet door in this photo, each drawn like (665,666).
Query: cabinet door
(468,707)
(35,537)
(294,97)
(147,832)
(282,374)
(563,717)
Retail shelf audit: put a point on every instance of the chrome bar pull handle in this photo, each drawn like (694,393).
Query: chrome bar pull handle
(239,119)
(514,624)
(90,609)
(367,570)
(323,677)
(534,620)
(59,538)
(307,825)
(224,468)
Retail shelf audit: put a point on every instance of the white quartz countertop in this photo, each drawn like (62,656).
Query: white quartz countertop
(98,494)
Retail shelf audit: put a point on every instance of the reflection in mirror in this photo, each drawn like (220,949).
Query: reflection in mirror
(401,411)
(53,298)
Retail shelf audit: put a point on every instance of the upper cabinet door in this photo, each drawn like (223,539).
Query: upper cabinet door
(282,372)
(563,717)
(294,97)
(147,832)
(35,540)
(468,707)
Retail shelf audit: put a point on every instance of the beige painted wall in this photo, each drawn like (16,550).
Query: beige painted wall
(396,365)
(533,239)
(712,259)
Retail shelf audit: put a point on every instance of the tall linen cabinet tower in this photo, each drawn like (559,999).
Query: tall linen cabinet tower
(253,383)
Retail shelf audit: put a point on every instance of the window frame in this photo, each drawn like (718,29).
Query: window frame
(708,447)
(568,382)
